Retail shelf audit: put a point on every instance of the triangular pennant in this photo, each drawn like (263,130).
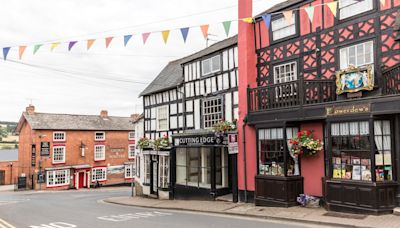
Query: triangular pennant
(310,12)
(204,30)
(21,51)
(165,35)
(267,20)
(333,7)
(288,16)
(227,26)
(383,2)
(145,36)
(54,45)
(248,20)
(185,32)
(5,52)
(108,41)
(36,48)
(126,39)
(71,44)
(89,43)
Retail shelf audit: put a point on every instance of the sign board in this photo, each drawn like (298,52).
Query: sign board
(115,169)
(45,149)
(33,155)
(41,177)
(349,109)
(354,79)
(233,144)
(198,140)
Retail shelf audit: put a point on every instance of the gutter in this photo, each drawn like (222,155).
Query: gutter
(244,157)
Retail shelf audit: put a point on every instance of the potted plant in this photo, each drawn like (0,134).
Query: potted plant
(223,126)
(144,143)
(305,144)
(161,143)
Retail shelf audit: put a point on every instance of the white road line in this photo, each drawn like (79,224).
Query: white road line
(4,224)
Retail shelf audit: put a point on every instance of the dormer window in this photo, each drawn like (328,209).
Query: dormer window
(59,136)
(211,65)
(100,136)
(281,28)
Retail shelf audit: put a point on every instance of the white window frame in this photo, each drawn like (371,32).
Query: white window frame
(131,135)
(160,116)
(210,122)
(59,133)
(211,61)
(128,171)
(52,177)
(344,54)
(102,137)
(96,155)
(281,25)
(288,76)
(96,174)
(131,151)
(163,177)
(64,153)
(349,8)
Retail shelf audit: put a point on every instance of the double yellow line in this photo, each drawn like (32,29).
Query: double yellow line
(4,224)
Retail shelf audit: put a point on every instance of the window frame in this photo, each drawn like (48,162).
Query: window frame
(104,172)
(284,64)
(296,24)
(130,136)
(60,140)
(130,156)
(163,175)
(64,154)
(54,179)
(166,108)
(210,60)
(339,9)
(355,45)
(128,167)
(204,114)
(103,138)
(103,158)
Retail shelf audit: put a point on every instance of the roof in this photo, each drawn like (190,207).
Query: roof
(172,74)
(280,6)
(9,155)
(50,121)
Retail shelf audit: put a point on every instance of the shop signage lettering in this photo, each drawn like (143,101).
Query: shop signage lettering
(117,150)
(198,140)
(45,149)
(346,110)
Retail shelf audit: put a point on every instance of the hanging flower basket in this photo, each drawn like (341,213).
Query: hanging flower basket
(161,143)
(223,126)
(144,143)
(304,144)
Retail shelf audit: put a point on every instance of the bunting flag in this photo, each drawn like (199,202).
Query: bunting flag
(185,32)
(248,20)
(145,36)
(71,44)
(5,52)
(288,16)
(165,35)
(204,30)
(126,39)
(36,48)
(54,45)
(333,7)
(267,20)
(21,51)
(383,2)
(227,26)
(108,41)
(89,43)
(310,12)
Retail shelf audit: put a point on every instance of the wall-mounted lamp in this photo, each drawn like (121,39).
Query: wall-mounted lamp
(82,147)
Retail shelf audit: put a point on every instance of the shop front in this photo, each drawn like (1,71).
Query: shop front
(201,166)
(156,173)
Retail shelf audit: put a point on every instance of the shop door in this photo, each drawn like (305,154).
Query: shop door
(81,181)
(2,177)
(154,175)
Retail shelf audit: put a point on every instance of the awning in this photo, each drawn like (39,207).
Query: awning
(85,166)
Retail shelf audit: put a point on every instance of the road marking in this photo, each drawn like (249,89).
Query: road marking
(55,225)
(4,224)
(126,217)
(5,202)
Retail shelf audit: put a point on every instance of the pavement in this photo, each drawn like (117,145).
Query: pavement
(6,188)
(311,216)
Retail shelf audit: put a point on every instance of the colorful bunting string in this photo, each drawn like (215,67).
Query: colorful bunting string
(383,2)
(108,41)
(310,12)
(288,16)
(185,32)
(333,7)
(5,52)
(71,44)
(267,20)
(227,27)
(21,51)
(89,43)
(248,20)
(126,39)
(145,36)
(165,35)
(36,48)
(204,30)
(54,45)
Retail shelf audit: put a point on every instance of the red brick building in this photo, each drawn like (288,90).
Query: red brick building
(75,151)
(8,167)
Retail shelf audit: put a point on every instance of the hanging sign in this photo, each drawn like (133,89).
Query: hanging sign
(44,148)
(354,79)
(233,144)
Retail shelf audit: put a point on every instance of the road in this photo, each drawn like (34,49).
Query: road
(67,209)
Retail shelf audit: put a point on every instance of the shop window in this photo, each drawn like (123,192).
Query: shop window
(99,174)
(357,55)
(348,8)
(211,65)
(281,28)
(59,136)
(146,169)
(221,166)
(99,152)
(100,136)
(383,150)
(58,154)
(162,118)
(57,178)
(351,150)
(163,171)
(131,151)
(212,111)
(272,148)
(193,167)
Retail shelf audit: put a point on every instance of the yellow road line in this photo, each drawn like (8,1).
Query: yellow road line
(7,225)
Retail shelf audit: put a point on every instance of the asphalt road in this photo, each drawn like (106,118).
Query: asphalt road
(67,209)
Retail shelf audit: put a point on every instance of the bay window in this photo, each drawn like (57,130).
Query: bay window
(99,174)
(57,178)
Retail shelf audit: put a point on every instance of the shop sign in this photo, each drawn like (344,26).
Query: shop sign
(41,177)
(116,150)
(115,169)
(44,148)
(348,110)
(233,144)
(354,79)
(198,140)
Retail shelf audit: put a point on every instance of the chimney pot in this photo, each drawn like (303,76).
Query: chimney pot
(104,114)
(30,109)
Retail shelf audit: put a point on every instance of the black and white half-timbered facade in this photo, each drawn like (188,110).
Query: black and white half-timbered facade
(183,103)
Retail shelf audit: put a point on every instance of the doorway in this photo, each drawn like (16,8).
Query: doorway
(2,177)
(154,175)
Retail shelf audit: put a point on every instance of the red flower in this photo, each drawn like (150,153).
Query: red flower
(291,141)
(294,142)
(299,134)
(301,152)
(308,133)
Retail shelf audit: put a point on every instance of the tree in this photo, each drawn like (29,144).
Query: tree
(3,133)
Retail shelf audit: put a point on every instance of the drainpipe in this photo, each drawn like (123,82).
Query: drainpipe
(244,157)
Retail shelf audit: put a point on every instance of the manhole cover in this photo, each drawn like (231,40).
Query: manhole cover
(344,215)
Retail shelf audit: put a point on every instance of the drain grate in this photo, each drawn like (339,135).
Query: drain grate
(344,215)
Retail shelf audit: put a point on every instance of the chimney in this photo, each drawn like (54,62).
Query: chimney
(30,109)
(135,116)
(103,114)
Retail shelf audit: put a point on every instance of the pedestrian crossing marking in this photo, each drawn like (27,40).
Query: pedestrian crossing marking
(4,224)
(130,216)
